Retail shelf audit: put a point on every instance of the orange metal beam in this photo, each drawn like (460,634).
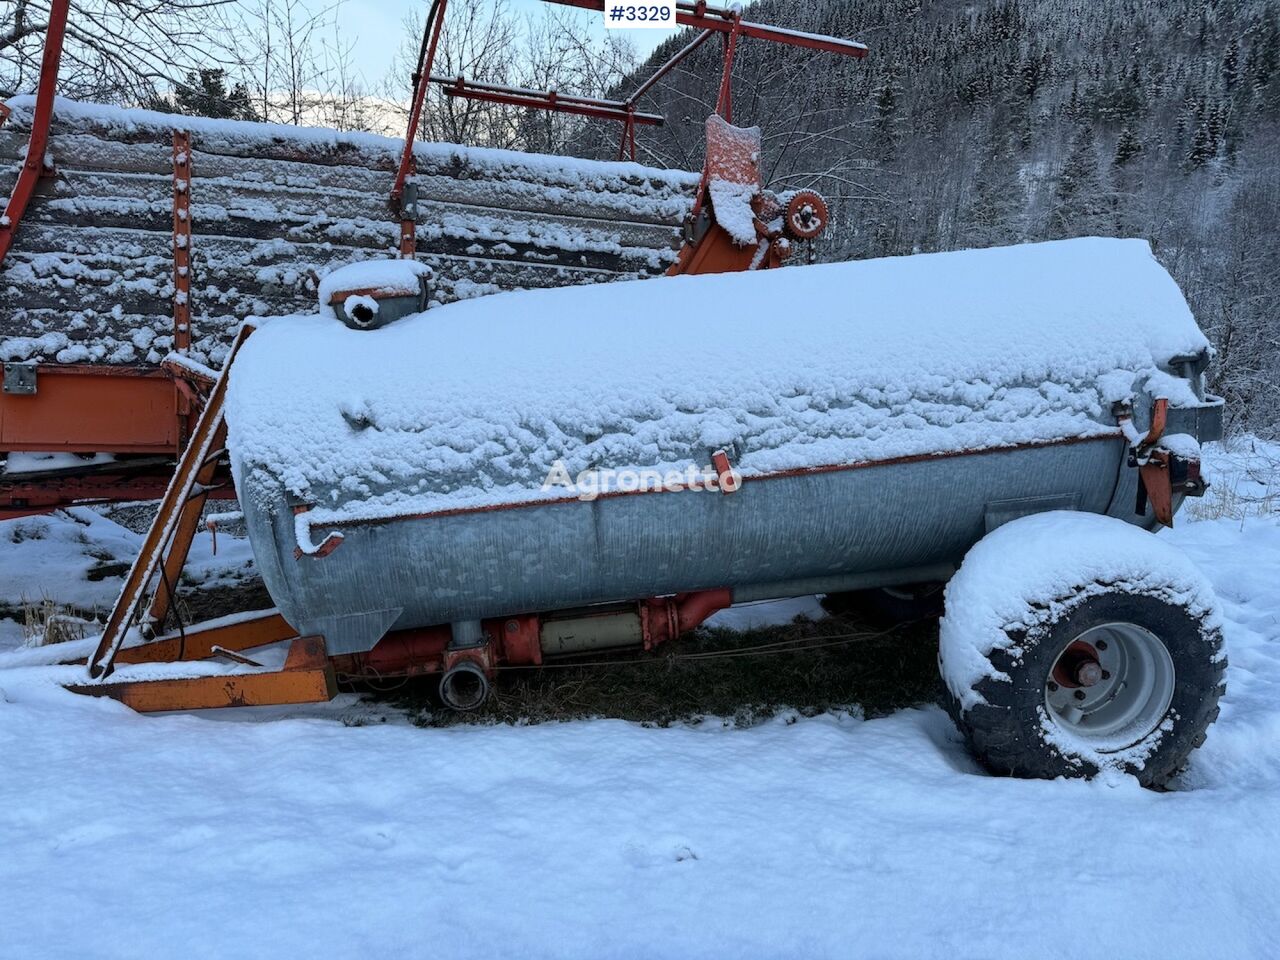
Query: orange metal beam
(714,253)
(421,81)
(184,533)
(170,512)
(696,13)
(306,677)
(198,643)
(91,408)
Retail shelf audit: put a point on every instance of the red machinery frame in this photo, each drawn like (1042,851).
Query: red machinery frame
(710,20)
(33,165)
(549,100)
(707,248)
(132,411)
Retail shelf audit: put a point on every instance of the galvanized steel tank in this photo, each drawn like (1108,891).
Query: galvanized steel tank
(440,513)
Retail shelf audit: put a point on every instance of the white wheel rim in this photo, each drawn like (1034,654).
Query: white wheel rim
(1110,686)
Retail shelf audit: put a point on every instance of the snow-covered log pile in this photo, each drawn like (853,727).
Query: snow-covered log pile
(474,403)
(275,207)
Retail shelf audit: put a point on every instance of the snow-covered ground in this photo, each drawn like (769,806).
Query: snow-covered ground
(292,833)
(76,559)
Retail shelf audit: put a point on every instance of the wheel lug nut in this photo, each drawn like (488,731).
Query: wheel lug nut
(1101,644)
(1079,694)
(1088,673)
(1053,687)
(1106,674)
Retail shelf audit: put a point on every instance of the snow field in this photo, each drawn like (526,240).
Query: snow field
(285,832)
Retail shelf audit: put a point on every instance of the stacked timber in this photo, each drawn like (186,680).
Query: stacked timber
(274,208)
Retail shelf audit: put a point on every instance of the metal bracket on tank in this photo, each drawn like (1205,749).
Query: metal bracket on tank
(727,478)
(1161,473)
(1141,444)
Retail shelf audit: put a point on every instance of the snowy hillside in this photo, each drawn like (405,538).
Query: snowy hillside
(291,833)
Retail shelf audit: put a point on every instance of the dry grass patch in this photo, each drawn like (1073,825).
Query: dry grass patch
(838,664)
(46,622)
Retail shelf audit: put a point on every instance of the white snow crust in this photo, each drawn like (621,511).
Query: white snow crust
(473,403)
(276,207)
(732,205)
(127,120)
(1052,560)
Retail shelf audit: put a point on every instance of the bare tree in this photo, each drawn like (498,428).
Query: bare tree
(479,41)
(280,53)
(483,41)
(559,54)
(343,102)
(116,50)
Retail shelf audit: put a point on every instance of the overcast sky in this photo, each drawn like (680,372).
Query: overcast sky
(377,26)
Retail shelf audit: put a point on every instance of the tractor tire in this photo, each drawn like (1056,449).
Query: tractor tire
(1106,672)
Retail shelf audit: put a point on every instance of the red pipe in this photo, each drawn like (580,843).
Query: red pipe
(724,105)
(692,609)
(548,100)
(515,641)
(405,651)
(33,166)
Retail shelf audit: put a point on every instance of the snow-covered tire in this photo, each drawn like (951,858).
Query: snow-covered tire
(1044,604)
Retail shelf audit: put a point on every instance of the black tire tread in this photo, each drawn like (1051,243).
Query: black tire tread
(1006,747)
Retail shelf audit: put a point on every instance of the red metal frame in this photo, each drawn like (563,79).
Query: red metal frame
(729,23)
(724,102)
(33,167)
(306,677)
(181,241)
(426,58)
(25,497)
(421,78)
(710,20)
(169,538)
(549,100)
(408,237)
(93,407)
(722,19)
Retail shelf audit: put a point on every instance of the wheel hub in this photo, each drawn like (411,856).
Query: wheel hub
(1088,673)
(1110,686)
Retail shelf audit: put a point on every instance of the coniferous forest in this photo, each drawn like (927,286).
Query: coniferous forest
(982,123)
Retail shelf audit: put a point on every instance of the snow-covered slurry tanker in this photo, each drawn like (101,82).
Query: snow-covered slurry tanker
(737,437)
